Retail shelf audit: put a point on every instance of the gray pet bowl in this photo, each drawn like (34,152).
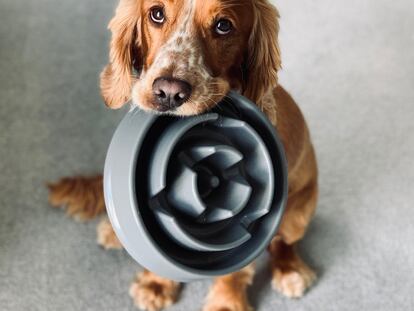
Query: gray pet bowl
(191,198)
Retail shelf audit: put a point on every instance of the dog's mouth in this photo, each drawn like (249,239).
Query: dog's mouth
(191,107)
(179,97)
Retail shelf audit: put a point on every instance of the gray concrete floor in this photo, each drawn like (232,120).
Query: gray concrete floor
(350,66)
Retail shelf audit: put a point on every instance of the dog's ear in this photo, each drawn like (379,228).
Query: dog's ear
(263,56)
(125,53)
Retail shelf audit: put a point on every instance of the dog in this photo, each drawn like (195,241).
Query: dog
(181,57)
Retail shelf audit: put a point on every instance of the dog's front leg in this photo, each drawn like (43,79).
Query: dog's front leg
(152,293)
(291,275)
(149,291)
(106,236)
(229,292)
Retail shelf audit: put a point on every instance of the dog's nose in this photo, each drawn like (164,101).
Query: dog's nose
(170,93)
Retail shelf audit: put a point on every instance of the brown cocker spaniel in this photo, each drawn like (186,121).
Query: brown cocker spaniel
(181,57)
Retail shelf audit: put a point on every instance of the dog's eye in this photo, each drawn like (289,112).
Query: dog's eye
(157,15)
(223,27)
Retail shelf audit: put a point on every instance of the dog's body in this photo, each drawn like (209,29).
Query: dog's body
(175,74)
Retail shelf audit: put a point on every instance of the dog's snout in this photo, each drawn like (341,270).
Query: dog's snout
(170,93)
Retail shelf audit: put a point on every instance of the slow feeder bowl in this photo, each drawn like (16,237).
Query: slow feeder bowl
(191,198)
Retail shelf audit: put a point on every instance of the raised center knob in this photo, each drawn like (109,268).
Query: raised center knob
(207,181)
(214,181)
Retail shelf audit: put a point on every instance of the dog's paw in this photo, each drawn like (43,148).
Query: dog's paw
(152,293)
(227,298)
(229,305)
(106,236)
(228,293)
(293,283)
(81,196)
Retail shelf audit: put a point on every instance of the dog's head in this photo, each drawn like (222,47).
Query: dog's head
(183,56)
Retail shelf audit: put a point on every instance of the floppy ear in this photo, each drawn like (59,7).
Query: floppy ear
(263,56)
(117,78)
